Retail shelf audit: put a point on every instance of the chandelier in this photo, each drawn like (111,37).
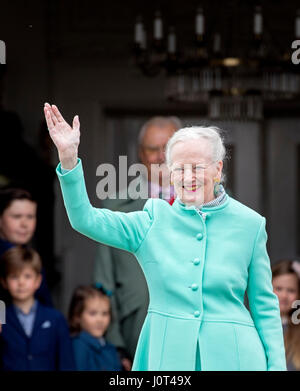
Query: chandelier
(232,81)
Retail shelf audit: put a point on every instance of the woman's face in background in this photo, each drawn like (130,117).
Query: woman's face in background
(193,171)
(285,287)
(18,221)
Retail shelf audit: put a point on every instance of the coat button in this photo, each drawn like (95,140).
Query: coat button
(29,357)
(194,287)
(196,261)
(196,314)
(199,236)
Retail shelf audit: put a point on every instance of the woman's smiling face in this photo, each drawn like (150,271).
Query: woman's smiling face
(193,171)
(18,221)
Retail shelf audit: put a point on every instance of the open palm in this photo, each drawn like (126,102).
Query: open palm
(64,136)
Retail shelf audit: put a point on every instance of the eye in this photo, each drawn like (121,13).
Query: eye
(15,216)
(178,169)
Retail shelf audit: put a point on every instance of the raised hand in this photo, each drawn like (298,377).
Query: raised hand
(65,137)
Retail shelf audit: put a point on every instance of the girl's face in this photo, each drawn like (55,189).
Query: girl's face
(18,221)
(95,317)
(286,288)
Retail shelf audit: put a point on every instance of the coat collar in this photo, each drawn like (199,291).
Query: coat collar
(14,321)
(5,245)
(31,311)
(90,340)
(181,207)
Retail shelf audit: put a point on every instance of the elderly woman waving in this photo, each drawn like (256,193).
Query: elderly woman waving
(199,257)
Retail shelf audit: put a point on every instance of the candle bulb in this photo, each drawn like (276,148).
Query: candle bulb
(258,21)
(158,26)
(217,43)
(201,45)
(144,39)
(172,41)
(138,31)
(199,22)
(297,25)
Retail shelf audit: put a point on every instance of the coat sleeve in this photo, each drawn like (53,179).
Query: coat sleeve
(263,303)
(117,229)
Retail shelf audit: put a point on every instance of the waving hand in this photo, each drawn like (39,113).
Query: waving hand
(65,137)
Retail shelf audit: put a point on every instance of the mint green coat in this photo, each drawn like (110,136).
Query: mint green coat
(197,273)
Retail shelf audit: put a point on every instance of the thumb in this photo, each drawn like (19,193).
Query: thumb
(76,123)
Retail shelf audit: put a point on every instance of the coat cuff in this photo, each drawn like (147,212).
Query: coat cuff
(70,176)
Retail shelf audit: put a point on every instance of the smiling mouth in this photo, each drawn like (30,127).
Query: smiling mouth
(191,188)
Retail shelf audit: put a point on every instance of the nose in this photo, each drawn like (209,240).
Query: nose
(21,281)
(23,222)
(283,296)
(189,175)
(161,155)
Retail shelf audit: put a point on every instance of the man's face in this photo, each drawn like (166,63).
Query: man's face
(152,150)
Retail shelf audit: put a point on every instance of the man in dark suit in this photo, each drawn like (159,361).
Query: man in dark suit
(117,270)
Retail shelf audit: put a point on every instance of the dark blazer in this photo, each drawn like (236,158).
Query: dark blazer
(48,349)
(90,355)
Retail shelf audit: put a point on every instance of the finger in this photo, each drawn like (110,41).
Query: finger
(57,113)
(47,104)
(76,123)
(49,121)
(53,117)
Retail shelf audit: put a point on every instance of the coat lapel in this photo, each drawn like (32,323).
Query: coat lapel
(13,321)
(38,319)
(90,340)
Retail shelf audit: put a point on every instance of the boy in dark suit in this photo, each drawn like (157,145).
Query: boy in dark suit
(35,337)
